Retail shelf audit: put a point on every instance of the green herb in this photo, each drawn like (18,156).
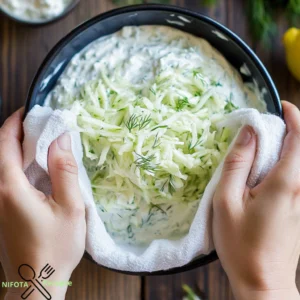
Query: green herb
(145,163)
(157,127)
(133,122)
(152,90)
(190,294)
(138,121)
(158,208)
(216,83)
(261,21)
(210,2)
(293,12)
(144,121)
(129,231)
(170,183)
(181,103)
(230,107)
(156,144)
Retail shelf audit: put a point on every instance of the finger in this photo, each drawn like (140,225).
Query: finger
(286,173)
(291,145)
(11,158)
(236,169)
(63,172)
(13,125)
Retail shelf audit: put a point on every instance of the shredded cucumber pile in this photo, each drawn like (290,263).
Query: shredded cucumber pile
(150,148)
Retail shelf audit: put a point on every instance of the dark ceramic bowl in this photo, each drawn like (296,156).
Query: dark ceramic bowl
(230,45)
(66,11)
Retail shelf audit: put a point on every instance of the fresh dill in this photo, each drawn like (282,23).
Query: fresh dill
(170,184)
(144,121)
(145,162)
(216,83)
(191,147)
(139,122)
(158,208)
(198,94)
(181,103)
(230,106)
(196,73)
(133,122)
(152,90)
(156,144)
(129,231)
(160,126)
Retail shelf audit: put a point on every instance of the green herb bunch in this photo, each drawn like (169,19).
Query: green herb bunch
(261,14)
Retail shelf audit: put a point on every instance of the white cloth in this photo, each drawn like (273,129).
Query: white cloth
(42,126)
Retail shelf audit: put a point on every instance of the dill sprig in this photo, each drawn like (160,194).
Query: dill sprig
(191,147)
(261,21)
(181,103)
(139,122)
(152,90)
(145,163)
(144,121)
(132,122)
(158,208)
(156,144)
(293,12)
(160,126)
(210,2)
(170,183)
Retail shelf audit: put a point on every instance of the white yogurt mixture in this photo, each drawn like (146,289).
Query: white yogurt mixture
(34,10)
(148,99)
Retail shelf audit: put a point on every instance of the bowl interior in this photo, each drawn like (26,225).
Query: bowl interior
(234,50)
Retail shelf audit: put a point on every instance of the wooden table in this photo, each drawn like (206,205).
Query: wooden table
(22,50)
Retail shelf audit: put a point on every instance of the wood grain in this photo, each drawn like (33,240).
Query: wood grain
(23,48)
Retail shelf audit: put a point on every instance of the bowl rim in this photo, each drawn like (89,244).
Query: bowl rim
(62,15)
(205,259)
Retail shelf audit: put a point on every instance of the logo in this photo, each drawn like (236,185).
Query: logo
(28,274)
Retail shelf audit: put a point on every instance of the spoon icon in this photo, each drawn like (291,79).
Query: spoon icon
(27,273)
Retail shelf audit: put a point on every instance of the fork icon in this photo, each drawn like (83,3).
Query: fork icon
(46,272)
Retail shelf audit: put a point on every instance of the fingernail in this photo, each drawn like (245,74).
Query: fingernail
(245,136)
(64,142)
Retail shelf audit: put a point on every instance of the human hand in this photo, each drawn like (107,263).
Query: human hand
(257,231)
(36,229)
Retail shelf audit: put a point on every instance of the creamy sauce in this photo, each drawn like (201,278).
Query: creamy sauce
(138,54)
(34,10)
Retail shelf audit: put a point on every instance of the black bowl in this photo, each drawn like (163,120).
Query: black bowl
(229,44)
(66,11)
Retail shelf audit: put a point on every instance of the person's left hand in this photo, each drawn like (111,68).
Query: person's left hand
(36,229)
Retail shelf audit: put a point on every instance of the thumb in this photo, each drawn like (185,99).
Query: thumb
(63,172)
(237,166)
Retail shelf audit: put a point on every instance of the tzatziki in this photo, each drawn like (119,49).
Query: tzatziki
(148,100)
(34,10)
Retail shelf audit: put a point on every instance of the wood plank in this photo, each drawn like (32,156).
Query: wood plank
(91,282)
(209,281)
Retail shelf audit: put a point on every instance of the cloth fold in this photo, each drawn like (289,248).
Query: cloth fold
(43,125)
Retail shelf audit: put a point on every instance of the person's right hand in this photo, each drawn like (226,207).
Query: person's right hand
(257,231)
